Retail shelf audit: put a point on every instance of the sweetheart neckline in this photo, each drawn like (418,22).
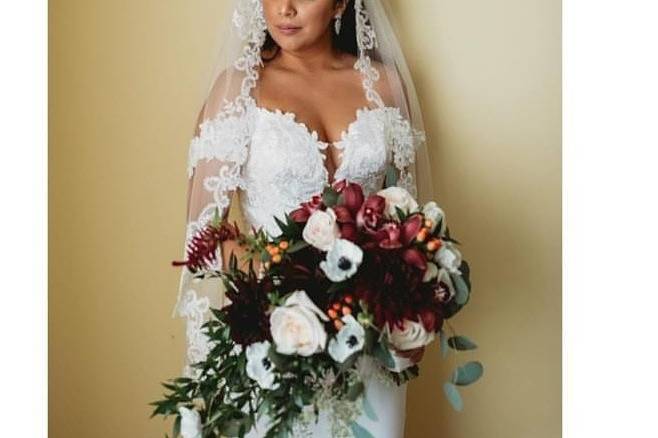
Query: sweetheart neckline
(313,134)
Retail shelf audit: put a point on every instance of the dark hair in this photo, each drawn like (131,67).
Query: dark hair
(345,41)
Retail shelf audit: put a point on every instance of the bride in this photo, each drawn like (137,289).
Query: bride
(307,93)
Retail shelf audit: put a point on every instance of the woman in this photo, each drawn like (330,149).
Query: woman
(309,92)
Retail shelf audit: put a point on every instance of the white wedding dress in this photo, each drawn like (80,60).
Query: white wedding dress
(275,162)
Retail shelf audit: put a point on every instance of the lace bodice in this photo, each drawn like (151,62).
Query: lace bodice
(276,162)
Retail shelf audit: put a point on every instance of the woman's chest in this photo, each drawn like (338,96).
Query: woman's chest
(285,154)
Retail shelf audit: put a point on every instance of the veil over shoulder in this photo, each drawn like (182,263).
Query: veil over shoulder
(220,145)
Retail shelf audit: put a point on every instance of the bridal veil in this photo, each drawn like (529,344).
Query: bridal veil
(220,144)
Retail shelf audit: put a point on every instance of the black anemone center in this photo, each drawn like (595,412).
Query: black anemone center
(266,363)
(344,263)
(352,341)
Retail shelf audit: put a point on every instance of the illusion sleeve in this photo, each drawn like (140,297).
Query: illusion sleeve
(216,157)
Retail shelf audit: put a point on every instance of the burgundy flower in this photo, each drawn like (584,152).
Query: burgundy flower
(371,214)
(410,228)
(306,209)
(348,231)
(388,236)
(415,258)
(339,185)
(202,248)
(353,197)
(343,214)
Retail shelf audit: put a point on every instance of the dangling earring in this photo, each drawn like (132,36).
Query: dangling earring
(337,24)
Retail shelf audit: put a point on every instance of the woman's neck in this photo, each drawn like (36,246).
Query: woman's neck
(320,56)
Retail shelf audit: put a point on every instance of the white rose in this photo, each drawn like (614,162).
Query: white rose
(321,229)
(449,258)
(433,212)
(412,335)
(296,328)
(397,197)
(190,424)
(259,367)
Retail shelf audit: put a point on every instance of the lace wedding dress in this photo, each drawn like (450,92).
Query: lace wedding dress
(275,162)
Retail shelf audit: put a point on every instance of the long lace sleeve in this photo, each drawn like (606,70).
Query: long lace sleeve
(216,157)
(405,142)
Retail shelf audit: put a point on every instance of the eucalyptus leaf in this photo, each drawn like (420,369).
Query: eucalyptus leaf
(383,354)
(461,288)
(461,343)
(443,342)
(368,409)
(468,373)
(391,178)
(453,396)
(359,431)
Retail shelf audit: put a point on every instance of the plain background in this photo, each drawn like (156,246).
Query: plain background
(124,94)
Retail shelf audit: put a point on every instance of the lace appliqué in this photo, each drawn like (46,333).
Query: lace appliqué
(195,310)
(404,140)
(366,39)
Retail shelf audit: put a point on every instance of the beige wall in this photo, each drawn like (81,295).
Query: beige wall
(123,96)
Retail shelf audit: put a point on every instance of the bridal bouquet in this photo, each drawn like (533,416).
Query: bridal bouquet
(352,288)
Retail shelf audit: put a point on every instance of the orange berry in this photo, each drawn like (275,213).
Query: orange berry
(347,310)
(422,234)
(348,299)
(338,324)
(433,244)
(276,258)
(332,314)
(274,250)
(283,245)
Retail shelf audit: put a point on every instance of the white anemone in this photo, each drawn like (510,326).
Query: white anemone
(342,260)
(349,339)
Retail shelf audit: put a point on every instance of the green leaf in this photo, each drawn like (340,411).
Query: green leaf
(467,374)
(176,431)
(280,361)
(355,390)
(383,354)
(329,196)
(443,342)
(391,178)
(453,396)
(300,244)
(359,431)
(461,343)
(368,409)
(461,288)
